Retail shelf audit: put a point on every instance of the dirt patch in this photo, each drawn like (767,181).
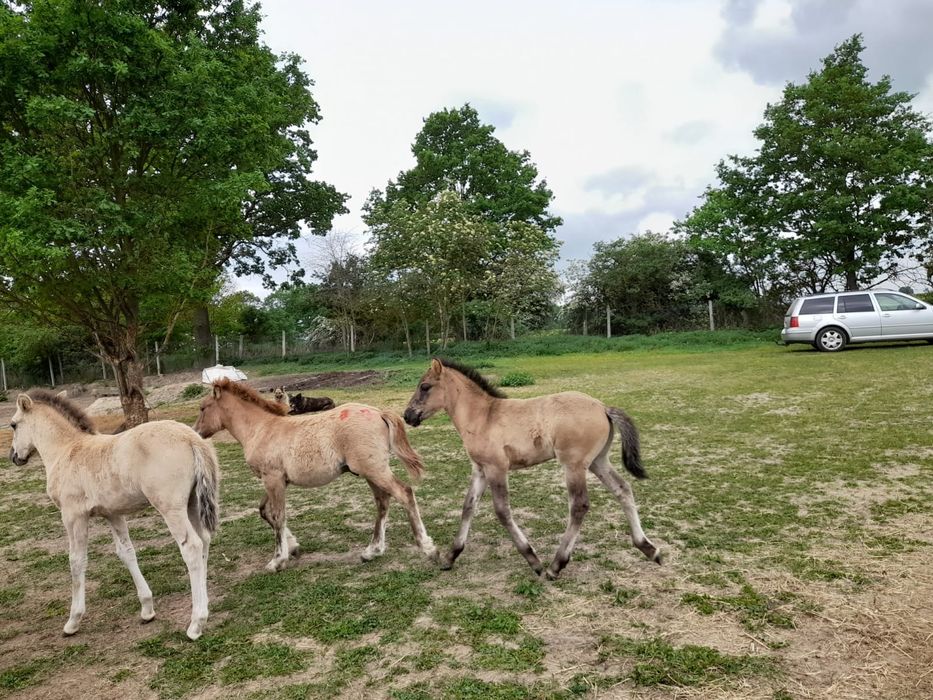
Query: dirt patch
(325,380)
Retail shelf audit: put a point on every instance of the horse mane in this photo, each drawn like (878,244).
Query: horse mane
(474,376)
(77,417)
(250,395)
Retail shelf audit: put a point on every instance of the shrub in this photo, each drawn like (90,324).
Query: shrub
(192,391)
(517,379)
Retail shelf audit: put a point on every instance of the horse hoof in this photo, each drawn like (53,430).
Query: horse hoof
(551,575)
(145,619)
(657,559)
(194,633)
(446,564)
(275,565)
(71,627)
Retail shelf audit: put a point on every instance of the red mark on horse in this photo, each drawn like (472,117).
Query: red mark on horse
(343,414)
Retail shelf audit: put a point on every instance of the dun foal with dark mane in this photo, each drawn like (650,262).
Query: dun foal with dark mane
(313,450)
(163,463)
(502,434)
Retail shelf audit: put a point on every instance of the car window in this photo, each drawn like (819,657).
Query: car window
(822,305)
(854,303)
(894,302)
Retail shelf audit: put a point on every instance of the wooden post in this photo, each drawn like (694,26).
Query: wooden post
(584,326)
(51,372)
(512,327)
(158,361)
(608,322)
(103,368)
(712,323)
(427,336)
(217,349)
(240,351)
(61,372)
(283,345)
(3,372)
(463,317)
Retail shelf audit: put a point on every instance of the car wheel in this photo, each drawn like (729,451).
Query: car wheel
(831,339)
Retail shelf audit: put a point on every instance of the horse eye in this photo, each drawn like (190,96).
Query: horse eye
(13,425)
(425,387)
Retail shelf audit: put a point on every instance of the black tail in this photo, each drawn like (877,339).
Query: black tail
(628,433)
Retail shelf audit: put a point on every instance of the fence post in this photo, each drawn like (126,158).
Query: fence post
(158,361)
(512,327)
(216,349)
(240,351)
(51,372)
(584,326)
(712,323)
(3,372)
(103,368)
(283,345)
(61,372)
(427,336)
(608,322)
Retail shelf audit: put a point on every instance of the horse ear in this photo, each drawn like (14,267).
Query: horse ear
(216,392)
(24,402)
(63,394)
(436,367)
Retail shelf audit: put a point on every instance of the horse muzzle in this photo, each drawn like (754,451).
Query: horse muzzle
(412,417)
(16,459)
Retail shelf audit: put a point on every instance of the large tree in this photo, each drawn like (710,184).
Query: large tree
(840,190)
(144,146)
(461,166)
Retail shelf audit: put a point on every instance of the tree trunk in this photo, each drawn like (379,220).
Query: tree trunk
(407,334)
(851,281)
(127,370)
(203,338)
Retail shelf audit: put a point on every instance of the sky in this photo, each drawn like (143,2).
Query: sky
(624,105)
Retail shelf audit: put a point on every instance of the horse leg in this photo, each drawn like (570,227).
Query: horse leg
(620,488)
(192,551)
(579,505)
(402,492)
(127,554)
(473,494)
(272,510)
(195,520)
(377,546)
(498,484)
(76,528)
(294,548)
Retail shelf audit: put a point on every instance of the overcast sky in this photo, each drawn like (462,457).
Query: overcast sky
(624,105)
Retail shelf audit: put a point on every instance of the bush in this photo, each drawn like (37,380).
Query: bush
(192,391)
(517,379)
(3,396)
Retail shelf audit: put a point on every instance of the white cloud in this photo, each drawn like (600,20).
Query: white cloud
(592,89)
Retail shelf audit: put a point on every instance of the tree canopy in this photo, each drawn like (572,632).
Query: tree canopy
(144,145)
(840,191)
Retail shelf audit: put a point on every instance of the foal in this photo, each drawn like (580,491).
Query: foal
(163,463)
(502,434)
(313,450)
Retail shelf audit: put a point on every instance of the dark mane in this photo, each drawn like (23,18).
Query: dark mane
(474,376)
(250,395)
(69,410)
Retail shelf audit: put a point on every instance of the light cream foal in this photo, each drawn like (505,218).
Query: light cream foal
(163,463)
(502,434)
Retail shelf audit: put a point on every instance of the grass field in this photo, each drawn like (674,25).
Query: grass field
(789,490)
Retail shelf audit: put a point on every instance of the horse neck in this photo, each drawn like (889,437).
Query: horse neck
(467,404)
(244,419)
(53,435)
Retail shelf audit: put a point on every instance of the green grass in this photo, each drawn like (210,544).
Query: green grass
(781,487)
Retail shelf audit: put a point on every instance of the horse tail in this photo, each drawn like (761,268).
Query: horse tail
(628,434)
(401,448)
(206,483)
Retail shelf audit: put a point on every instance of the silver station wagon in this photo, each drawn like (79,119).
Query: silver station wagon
(829,322)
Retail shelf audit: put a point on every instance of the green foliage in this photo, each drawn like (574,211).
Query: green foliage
(657,662)
(845,166)
(141,149)
(517,379)
(192,391)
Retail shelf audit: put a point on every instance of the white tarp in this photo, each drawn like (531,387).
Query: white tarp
(211,374)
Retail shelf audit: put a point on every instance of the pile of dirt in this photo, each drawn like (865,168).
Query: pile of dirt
(325,380)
